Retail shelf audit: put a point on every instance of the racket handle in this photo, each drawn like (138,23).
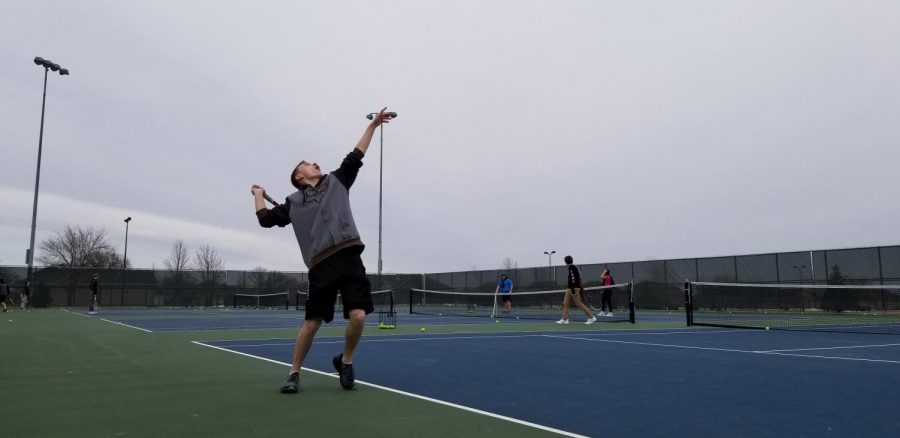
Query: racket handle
(266,196)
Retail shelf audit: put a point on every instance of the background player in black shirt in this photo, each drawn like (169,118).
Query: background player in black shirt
(573,292)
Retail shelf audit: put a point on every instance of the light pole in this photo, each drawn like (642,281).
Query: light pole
(370,116)
(125,258)
(48,65)
(550,263)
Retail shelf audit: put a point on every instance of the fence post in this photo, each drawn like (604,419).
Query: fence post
(777,270)
(734,259)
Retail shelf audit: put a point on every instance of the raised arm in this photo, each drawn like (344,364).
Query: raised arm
(353,161)
(258,199)
(268,218)
(379,118)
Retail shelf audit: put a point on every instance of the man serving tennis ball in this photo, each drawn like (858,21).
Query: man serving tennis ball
(330,244)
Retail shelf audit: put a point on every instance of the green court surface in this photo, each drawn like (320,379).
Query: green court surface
(66,374)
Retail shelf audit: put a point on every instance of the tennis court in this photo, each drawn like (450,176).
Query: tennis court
(216,371)
(638,382)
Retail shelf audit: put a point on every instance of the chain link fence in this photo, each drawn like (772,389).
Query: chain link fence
(658,284)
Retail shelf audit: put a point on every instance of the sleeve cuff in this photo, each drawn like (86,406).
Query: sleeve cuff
(357,153)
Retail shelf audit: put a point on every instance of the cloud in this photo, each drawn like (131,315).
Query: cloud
(611,131)
(150,237)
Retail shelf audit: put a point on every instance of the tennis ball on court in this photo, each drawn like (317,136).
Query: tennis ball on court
(422,329)
(497,321)
(517,317)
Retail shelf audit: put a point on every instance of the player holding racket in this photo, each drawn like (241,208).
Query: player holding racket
(330,244)
(504,288)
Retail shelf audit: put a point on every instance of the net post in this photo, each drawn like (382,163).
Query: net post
(234,299)
(287,301)
(631,312)
(411,300)
(687,302)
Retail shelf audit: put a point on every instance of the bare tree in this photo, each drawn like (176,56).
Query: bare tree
(79,247)
(509,264)
(208,262)
(178,261)
(108,259)
(178,258)
(272,281)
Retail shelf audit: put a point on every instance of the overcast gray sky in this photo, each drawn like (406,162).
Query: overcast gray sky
(608,130)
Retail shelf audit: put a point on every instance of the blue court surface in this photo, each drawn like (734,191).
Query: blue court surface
(196,319)
(580,381)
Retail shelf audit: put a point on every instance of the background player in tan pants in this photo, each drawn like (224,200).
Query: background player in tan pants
(573,292)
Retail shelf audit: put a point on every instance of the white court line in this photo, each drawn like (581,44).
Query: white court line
(269,345)
(103,319)
(230,327)
(76,313)
(671,332)
(378,339)
(828,348)
(651,344)
(439,337)
(126,325)
(830,357)
(726,350)
(409,394)
(365,338)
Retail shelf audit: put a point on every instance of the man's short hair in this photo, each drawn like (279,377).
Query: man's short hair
(568,260)
(294,182)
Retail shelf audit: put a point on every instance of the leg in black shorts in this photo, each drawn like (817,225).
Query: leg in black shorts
(343,272)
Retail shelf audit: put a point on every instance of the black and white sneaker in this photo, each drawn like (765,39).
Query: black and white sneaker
(345,371)
(291,384)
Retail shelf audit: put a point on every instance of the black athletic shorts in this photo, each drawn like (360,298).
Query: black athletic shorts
(344,272)
(505,297)
(2,298)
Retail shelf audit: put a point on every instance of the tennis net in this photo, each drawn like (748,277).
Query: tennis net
(279,300)
(382,299)
(840,308)
(545,305)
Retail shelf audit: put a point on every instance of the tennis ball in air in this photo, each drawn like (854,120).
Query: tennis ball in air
(422,329)
(767,327)
(497,321)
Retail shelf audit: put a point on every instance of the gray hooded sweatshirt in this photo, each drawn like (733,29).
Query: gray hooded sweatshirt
(320,214)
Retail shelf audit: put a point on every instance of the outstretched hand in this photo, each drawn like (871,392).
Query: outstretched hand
(257,190)
(381,117)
